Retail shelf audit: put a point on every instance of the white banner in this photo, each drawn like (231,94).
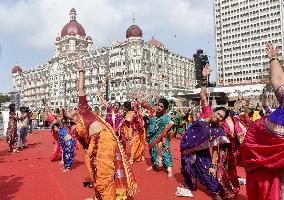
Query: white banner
(4,122)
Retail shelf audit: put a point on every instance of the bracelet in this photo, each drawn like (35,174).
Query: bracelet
(204,82)
(274,58)
(213,165)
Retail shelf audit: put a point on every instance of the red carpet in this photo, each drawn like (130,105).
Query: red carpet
(30,175)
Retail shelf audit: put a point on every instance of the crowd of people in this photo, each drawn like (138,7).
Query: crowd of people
(18,127)
(213,142)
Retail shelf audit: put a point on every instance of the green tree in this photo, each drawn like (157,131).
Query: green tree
(4,98)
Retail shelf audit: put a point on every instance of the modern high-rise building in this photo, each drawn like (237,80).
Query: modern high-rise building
(115,70)
(242,29)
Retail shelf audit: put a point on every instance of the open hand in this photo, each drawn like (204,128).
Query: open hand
(272,50)
(206,70)
(203,91)
(133,95)
(98,93)
(212,171)
(240,96)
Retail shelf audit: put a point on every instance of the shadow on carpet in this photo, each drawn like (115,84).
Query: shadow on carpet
(77,163)
(9,186)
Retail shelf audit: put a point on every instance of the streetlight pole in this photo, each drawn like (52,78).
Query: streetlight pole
(107,88)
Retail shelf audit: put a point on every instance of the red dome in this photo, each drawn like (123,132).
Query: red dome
(16,69)
(134,31)
(73,26)
(89,38)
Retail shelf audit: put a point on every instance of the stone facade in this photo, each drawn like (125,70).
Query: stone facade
(115,70)
(242,30)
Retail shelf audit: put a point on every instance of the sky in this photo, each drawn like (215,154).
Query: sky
(28,28)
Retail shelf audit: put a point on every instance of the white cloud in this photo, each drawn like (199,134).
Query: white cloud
(29,27)
(36,23)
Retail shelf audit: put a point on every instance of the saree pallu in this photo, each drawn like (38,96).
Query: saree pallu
(57,148)
(121,132)
(263,159)
(107,167)
(102,157)
(236,130)
(227,172)
(102,165)
(136,125)
(57,152)
(137,147)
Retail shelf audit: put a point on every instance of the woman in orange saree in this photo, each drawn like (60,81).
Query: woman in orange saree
(105,155)
(134,123)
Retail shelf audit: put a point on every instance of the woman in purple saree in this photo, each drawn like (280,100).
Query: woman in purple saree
(196,159)
(195,146)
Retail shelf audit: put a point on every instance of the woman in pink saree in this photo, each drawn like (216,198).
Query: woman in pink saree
(56,154)
(263,148)
(229,156)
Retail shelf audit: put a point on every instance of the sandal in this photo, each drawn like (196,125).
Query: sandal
(15,151)
(183,192)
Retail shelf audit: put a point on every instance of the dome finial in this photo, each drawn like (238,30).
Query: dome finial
(72,14)
(133,18)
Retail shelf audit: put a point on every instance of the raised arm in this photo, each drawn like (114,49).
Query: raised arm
(203,91)
(277,74)
(102,100)
(81,76)
(238,104)
(265,104)
(135,96)
(203,96)
(46,108)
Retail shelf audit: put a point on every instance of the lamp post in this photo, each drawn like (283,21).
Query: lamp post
(107,87)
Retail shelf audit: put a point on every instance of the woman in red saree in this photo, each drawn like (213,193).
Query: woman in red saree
(229,157)
(263,148)
(56,154)
(12,135)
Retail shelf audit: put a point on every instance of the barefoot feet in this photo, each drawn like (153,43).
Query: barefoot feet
(170,172)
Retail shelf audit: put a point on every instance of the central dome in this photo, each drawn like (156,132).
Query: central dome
(134,31)
(73,27)
(16,69)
